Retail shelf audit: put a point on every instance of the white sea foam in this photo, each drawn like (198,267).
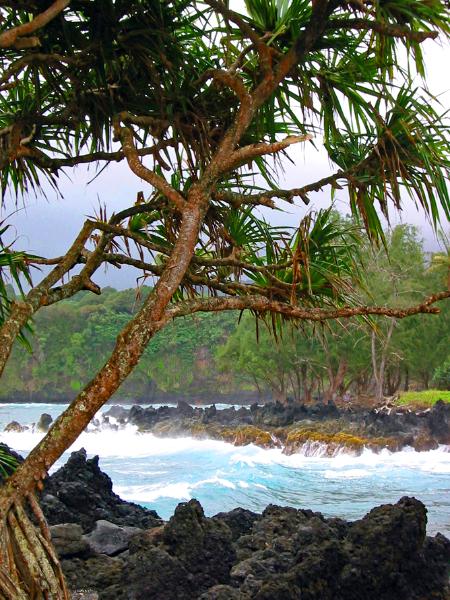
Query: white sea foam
(347,474)
(181,490)
(163,471)
(215,481)
(126,442)
(150,493)
(260,486)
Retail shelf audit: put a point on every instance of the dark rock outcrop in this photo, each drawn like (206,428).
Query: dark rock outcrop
(286,554)
(240,521)
(282,554)
(299,428)
(81,493)
(203,545)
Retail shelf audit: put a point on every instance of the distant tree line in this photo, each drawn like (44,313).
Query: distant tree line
(376,358)
(215,355)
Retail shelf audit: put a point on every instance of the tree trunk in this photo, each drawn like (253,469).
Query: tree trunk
(130,345)
(335,380)
(379,371)
(29,567)
(406,384)
(393,380)
(426,380)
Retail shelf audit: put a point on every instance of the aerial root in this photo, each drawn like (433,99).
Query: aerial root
(29,566)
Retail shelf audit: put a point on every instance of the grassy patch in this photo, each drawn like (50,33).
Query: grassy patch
(425,398)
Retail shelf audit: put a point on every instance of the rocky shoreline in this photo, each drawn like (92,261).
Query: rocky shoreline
(111,549)
(320,429)
(324,429)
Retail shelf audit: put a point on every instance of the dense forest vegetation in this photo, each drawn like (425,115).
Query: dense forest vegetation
(214,356)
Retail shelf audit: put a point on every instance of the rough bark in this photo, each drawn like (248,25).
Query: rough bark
(130,345)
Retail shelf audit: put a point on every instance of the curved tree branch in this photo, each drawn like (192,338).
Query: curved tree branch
(125,135)
(261,304)
(14,36)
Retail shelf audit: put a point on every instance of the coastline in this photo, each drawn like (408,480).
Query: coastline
(320,429)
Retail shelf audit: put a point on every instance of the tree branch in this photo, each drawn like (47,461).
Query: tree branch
(13,36)
(117,156)
(248,153)
(266,198)
(229,79)
(261,304)
(125,135)
(321,10)
(21,311)
(386,29)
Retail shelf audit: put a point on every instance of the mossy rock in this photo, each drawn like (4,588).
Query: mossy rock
(336,441)
(247,434)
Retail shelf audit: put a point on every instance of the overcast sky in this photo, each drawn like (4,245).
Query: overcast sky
(46,226)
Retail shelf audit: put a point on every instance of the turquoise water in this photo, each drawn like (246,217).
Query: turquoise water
(159,473)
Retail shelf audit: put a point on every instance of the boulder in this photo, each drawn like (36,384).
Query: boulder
(118,412)
(154,573)
(184,409)
(386,555)
(94,575)
(45,420)
(109,538)
(221,592)
(15,427)
(68,540)
(439,422)
(240,521)
(143,418)
(391,558)
(84,595)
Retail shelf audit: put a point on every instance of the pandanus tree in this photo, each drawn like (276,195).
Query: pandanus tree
(203,103)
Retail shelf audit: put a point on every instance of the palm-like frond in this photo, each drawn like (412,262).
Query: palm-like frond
(409,150)
(320,262)
(8,463)
(431,15)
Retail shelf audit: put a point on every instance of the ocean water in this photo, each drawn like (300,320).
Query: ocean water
(160,473)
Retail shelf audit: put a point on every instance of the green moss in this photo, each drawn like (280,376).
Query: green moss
(426,398)
(349,440)
(252,435)
(239,436)
(300,436)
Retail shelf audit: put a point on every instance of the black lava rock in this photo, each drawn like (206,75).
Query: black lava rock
(79,492)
